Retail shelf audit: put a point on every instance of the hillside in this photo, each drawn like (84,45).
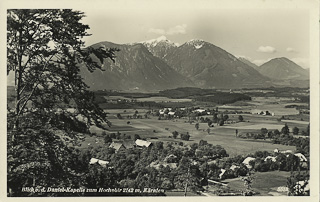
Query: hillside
(209,66)
(135,68)
(283,68)
(284,72)
(246,61)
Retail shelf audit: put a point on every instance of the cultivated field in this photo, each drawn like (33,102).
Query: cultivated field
(161,130)
(266,183)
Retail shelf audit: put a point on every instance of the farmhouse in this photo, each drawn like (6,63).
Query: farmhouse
(287,152)
(301,157)
(233,167)
(143,143)
(163,164)
(262,112)
(117,146)
(283,152)
(272,158)
(100,162)
(246,162)
(200,110)
(222,172)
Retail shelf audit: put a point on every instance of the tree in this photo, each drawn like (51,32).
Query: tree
(297,184)
(203,142)
(276,132)
(175,134)
(248,180)
(119,116)
(285,130)
(295,130)
(221,122)
(107,139)
(45,52)
(225,117)
(136,136)
(215,118)
(264,131)
(185,137)
(240,118)
(196,126)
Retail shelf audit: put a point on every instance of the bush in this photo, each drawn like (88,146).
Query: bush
(185,137)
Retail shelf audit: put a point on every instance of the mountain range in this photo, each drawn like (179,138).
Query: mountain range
(160,64)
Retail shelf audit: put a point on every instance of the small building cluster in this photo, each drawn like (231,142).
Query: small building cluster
(121,147)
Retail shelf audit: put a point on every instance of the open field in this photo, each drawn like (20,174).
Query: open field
(219,135)
(163,99)
(161,130)
(266,183)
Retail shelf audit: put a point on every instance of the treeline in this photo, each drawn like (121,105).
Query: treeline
(166,167)
(283,137)
(198,94)
(186,92)
(223,98)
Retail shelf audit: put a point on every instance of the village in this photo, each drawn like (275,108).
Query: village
(200,129)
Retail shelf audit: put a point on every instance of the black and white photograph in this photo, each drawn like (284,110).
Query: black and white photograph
(160,99)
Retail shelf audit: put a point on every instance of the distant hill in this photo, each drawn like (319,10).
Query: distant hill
(285,72)
(135,68)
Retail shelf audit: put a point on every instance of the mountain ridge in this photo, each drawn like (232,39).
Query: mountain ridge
(159,64)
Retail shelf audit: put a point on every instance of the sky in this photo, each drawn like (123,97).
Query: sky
(258,34)
(256,30)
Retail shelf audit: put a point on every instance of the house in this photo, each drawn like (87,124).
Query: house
(272,158)
(129,144)
(262,112)
(246,162)
(287,152)
(100,162)
(93,161)
(233,167)
(117,146)
(171,113)
(143,143)
(158,165)
(171,158)
(103,163)
(200,110)
(301,157)
(222,172)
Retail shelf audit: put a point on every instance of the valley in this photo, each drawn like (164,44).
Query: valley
(163,116)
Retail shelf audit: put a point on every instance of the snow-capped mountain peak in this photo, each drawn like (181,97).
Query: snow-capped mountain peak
(197,43)
(154,42)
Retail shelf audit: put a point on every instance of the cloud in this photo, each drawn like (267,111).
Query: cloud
(289,49)
(266,49)
(179,29)
(157,31)
(261,62)
(303,62)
